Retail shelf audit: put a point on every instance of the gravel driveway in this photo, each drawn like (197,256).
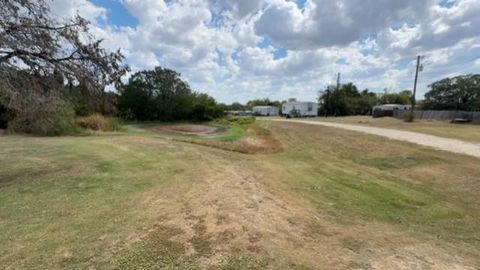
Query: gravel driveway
(451,145)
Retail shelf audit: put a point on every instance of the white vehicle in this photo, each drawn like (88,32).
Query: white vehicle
(300,109)
(265,110)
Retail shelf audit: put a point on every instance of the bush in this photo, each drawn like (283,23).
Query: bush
(242,120)
(409,116)
(98,122)
(48,117)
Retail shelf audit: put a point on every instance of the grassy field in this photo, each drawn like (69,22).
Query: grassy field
(466,132)
(331,199)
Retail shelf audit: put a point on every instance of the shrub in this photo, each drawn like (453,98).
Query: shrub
(409,116)
(242,120)
(48,117)
(97,122)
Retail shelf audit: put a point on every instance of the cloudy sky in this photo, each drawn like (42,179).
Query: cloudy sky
(236,50)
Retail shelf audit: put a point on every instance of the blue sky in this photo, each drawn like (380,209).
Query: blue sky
(240,50)
(117,13)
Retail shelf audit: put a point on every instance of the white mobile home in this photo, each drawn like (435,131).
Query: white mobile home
(265,110)
(297,108)
(239,113)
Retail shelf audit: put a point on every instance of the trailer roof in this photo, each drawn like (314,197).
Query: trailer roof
(264,107)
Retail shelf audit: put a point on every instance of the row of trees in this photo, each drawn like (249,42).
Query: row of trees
(457,93)
(348,100)
(237,106)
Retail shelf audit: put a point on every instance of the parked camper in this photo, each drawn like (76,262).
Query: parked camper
(265,110)
(300,109)
(239,113)
(392,110)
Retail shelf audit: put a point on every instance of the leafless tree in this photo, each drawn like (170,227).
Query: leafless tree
(40,54)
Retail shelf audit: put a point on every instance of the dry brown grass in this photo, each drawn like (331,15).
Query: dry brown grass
(184,129)
(97,122)
(258,140)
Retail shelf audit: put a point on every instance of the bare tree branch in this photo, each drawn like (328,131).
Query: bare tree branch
(39,54)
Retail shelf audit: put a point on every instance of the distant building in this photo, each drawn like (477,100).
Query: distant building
(265,110)
(390,110)
(300,109)
(239,113)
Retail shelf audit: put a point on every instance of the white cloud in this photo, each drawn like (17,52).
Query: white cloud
(324,23)
(69,8)
(230,49)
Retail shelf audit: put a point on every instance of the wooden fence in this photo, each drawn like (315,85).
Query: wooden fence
(445,115)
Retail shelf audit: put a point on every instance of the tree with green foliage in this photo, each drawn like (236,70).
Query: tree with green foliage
(260,102)
(366,102)
(346,100)
(158,94)
(237,106)
(205,107)
(457,93)
(403,97)
(161,94)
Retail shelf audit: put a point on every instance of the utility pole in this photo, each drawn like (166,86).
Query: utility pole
(327,102)
(415,84)
(335,101)
(338,81)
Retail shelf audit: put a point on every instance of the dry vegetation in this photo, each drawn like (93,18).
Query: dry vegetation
(332,199)
(248,137)
(256,140)
(97,122)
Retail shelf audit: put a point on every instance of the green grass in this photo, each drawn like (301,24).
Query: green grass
(100,201)
(373,179)
(235,132)
(157,251)
(236,128)
(77,191)
(244,263)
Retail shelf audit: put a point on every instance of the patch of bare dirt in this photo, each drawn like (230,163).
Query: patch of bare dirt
(249,145)
(257,141)
(188,129)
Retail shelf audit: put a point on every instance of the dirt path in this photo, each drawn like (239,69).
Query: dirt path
(450,145)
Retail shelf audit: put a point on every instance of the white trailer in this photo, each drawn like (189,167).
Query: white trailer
(392,110)
(265,110)
(300,109)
